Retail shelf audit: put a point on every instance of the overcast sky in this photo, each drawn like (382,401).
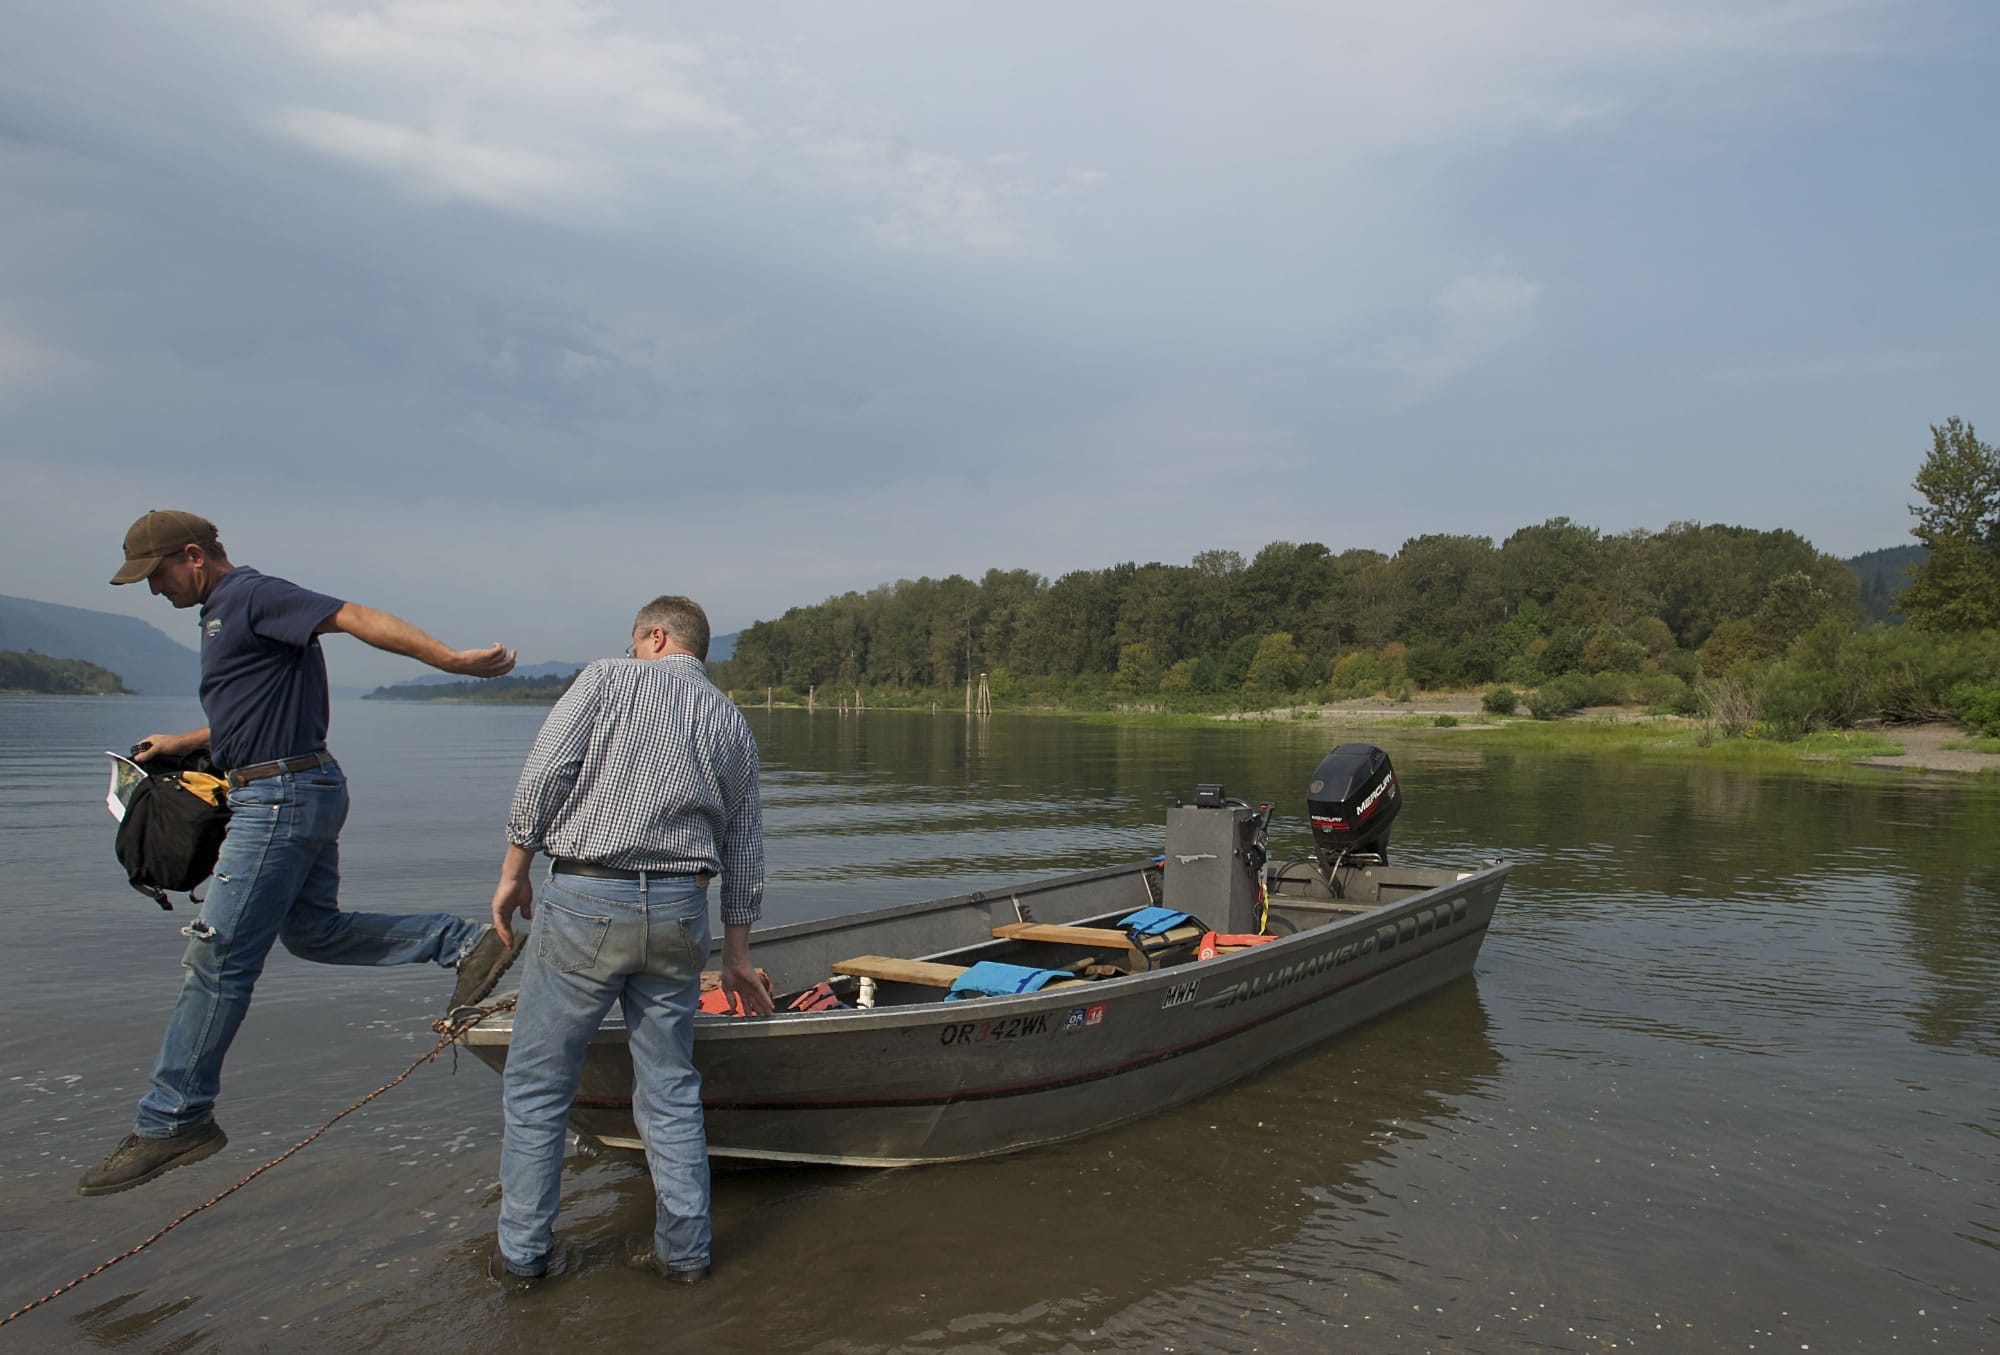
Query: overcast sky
(509,315)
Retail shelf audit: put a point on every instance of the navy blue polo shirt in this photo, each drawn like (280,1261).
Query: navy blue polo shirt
(263,675)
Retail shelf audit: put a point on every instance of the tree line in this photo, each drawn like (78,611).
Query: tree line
(1571,615)
(1443,611)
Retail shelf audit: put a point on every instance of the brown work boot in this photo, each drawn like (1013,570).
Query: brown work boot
(644,1258)
(481,967)
(139,1159)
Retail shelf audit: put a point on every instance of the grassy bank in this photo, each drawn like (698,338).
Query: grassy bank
(1666,737)
(1674,737)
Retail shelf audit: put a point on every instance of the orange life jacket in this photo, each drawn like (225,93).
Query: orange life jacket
(1211,943)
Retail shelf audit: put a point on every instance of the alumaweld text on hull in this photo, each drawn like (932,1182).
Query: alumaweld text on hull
(1004,1018)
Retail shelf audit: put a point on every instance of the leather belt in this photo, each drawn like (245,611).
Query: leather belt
(590,869)
(258,771)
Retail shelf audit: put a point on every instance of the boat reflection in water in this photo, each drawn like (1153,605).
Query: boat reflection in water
(1004,1019)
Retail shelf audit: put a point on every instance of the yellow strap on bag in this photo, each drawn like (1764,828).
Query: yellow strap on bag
(210,788)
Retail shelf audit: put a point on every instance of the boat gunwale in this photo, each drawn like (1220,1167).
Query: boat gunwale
(497,1030)
(786,931)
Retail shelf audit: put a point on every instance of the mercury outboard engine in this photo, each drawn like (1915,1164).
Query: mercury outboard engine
(1353,799)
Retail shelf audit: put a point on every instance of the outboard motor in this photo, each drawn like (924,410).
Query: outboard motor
(1353,799)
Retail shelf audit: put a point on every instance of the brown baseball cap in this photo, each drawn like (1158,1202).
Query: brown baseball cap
(157,535)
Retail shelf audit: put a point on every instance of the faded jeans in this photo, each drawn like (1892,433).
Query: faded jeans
(641,944)
(277,879)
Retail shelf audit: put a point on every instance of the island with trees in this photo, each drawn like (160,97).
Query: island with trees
(492,691)
(27,672)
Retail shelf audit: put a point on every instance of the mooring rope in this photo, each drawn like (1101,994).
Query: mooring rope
(449,1029)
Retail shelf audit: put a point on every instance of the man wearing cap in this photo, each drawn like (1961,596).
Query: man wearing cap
(264,690)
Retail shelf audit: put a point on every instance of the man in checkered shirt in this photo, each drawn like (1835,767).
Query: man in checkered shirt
(642,786)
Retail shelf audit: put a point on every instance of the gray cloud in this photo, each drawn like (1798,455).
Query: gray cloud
(797,298)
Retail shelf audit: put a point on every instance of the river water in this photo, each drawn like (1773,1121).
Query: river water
(1727,1076)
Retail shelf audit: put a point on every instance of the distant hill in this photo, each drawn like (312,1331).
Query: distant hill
(27,671)
(146,659)
(525,670)
(720,649)
(1884,574)
(512,690)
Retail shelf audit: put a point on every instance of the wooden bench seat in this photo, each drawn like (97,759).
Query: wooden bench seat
(889,969)
(1143,954)
(1062,935)
(926,973)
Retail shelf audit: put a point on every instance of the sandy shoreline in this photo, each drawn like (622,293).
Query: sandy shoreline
(1923,745)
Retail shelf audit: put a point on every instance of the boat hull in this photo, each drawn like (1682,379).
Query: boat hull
(943,1081)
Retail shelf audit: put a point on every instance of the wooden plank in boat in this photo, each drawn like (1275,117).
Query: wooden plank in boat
(889,969)
(1165,947)
(1062,935)
(1096,938)
(927,973)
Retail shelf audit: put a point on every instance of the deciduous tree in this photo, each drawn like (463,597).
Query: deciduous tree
(1958,587)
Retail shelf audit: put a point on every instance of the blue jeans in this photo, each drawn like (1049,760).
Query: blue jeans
(641,944)
(278,879)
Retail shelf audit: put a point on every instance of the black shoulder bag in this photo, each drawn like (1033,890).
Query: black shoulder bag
(172,830)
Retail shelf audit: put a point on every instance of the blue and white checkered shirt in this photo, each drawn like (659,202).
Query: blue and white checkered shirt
(645,765)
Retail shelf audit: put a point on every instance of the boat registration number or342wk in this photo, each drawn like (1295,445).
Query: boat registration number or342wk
(1006,1028)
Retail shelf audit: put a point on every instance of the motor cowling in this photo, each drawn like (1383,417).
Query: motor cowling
(1352,800)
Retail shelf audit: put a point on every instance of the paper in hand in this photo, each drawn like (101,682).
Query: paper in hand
(125,774)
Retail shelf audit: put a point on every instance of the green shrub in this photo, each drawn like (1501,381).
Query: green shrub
(1138,670)
(1558,697)
(1608,649)
(1563,652)
(1606,689)
(1790,702)
(1977,706)
(1654,635)
(1179,680)
(1356,673)
(1729,644)
(1445,721)
(1476,661)
(1914,672)
(1897,674)
(1235,664)
(1431,664)
(1663,690)
(1500,701)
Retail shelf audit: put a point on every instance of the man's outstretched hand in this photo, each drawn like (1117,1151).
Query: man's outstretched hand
(493,661)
